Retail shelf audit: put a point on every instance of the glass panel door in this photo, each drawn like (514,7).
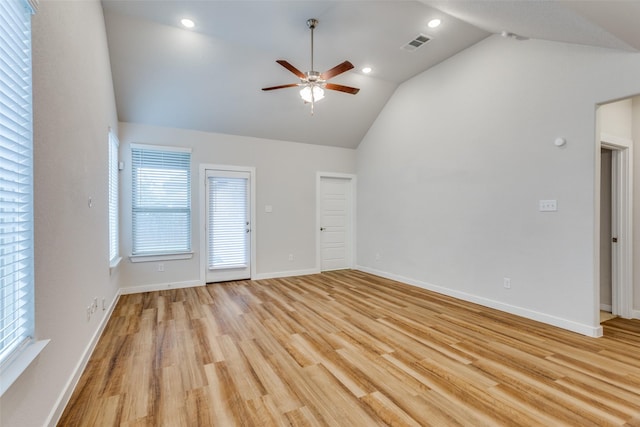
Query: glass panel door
(228,225)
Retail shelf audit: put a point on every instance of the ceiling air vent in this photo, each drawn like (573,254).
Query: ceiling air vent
(416,43)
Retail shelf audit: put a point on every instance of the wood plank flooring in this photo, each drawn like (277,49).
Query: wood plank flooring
(348,349)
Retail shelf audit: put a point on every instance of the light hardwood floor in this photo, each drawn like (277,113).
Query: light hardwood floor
(348,349)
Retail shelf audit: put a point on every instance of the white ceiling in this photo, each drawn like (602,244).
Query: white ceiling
(209,78)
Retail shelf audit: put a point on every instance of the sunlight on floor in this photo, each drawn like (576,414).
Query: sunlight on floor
(604,316)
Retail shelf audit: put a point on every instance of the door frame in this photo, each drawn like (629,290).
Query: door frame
(203,213)
(621,224)
(352,221)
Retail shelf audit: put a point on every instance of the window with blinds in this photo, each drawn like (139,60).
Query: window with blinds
(161,200)
(16,180)
(228,222)
(114,252)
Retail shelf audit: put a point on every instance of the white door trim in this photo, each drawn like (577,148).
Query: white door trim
(621,224)
(352,222)
(203,213)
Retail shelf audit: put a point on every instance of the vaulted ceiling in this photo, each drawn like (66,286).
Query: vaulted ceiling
(209,78)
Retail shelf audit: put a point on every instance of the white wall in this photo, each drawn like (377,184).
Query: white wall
(451,173)
(285,179)
(616,118)
(73,107)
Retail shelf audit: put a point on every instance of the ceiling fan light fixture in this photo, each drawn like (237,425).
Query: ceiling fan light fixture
(311,93)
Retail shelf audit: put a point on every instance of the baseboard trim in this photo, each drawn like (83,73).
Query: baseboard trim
(290,273)
(64,397)
(635,314)
(159,287)
(193,283)
(570,325)
(606,307)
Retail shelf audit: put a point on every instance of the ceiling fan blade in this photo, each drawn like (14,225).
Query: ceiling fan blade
(338,69)
(346,89)
(280,87)
(291,68)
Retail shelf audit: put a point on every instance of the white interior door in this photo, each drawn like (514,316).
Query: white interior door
(335,223)
(228,225)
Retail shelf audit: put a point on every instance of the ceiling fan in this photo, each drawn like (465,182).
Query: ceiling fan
(312,82)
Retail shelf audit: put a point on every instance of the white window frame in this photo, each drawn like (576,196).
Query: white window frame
(17,309)
(114,226)
(170,254)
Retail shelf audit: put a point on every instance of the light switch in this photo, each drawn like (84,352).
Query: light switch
(548,205)
(268,208)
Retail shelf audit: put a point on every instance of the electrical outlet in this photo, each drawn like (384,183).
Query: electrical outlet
(507,283)
(290,257)
(161,266)
(104,304)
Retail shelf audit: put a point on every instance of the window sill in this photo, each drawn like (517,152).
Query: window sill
(160,257)
(10,372)
(114,263)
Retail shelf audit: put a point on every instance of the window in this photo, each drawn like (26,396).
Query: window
(161,200)
(16,187)
(114,253)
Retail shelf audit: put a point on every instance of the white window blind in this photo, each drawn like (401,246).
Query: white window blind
(16,179)
(161,200)
(227,222)
(114,252)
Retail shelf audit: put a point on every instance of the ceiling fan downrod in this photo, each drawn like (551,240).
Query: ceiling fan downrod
(312,23)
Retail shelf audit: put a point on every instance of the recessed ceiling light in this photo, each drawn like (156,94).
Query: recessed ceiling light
(187,23)
(434,23)
(366,70)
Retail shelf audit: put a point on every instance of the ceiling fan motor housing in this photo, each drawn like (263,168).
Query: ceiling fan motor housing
(313,76)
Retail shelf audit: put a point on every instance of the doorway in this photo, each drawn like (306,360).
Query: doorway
(227,219)
(335,195)
(616,266)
